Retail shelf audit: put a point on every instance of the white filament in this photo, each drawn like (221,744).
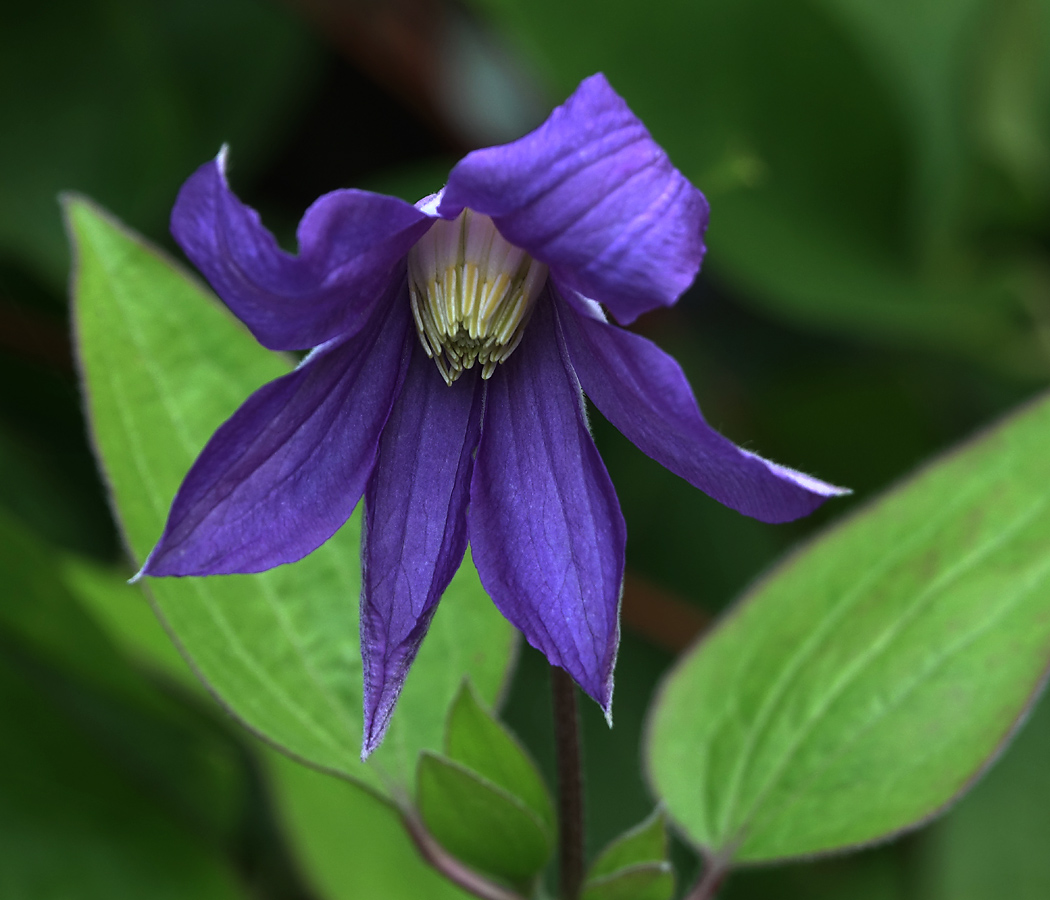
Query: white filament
(472,293)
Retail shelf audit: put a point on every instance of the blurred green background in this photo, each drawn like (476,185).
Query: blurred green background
(877,287)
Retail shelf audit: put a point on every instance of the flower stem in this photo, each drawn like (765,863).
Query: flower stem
(570,783)
(707,887)
(450,867)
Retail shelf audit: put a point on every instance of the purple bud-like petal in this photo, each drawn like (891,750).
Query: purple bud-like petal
(545,526)
(644,393)
(350,244)
(287,469)
(592,195)
(415,527)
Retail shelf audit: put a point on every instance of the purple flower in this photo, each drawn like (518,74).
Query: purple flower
(452,340)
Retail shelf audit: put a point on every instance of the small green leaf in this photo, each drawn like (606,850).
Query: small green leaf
(164,364)
(476,739)
(480,823)
(645,843)
(647,881)
(868,681)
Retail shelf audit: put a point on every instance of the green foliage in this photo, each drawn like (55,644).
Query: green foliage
(485,800)
(164,365)
(634,866)
(109,788)
(474,738)
(646,843)
(480,823)
(851,190)
(124,99)
(347,843)
(866,682)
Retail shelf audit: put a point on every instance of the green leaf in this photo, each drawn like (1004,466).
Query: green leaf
(648,881)
(869,679)
(477,740)
(480,823)
(645,843)
(634,866)
(320,815)
(164,364)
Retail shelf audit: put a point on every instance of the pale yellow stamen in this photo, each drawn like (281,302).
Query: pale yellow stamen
(472,293)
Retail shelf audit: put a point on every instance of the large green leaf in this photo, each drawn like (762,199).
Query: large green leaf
(868,680)
(164,364)
(347,843)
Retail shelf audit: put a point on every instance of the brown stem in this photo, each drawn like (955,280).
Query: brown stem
(445,863)
(706,888)
(570,783)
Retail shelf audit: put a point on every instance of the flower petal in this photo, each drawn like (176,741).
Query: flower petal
(592,195)
(350,244)
(545,526)
(644,393)
(287,469)
(415,527)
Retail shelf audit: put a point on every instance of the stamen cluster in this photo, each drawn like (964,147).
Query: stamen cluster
(472,293)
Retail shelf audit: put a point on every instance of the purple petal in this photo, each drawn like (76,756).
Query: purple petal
(350,244)
(287,469)
(415,527)
(545,526)
(592,195)
(644,393)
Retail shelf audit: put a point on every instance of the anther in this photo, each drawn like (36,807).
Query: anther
(472,293)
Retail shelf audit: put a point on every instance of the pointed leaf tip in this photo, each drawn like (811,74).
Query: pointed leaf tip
(475,738)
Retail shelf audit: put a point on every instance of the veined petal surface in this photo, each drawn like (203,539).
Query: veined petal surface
(593,196)
(284,472)
(415,527)
(645,394)
(545,526)
(351,244)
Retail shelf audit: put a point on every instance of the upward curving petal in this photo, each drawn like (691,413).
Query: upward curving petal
(287,469)
(644,393)
(415,527)
(350,245)
(545,526)
(592,195)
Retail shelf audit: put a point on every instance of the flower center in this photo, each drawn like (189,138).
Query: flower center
(472,294)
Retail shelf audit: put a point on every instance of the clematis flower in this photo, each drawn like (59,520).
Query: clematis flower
(453,341)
